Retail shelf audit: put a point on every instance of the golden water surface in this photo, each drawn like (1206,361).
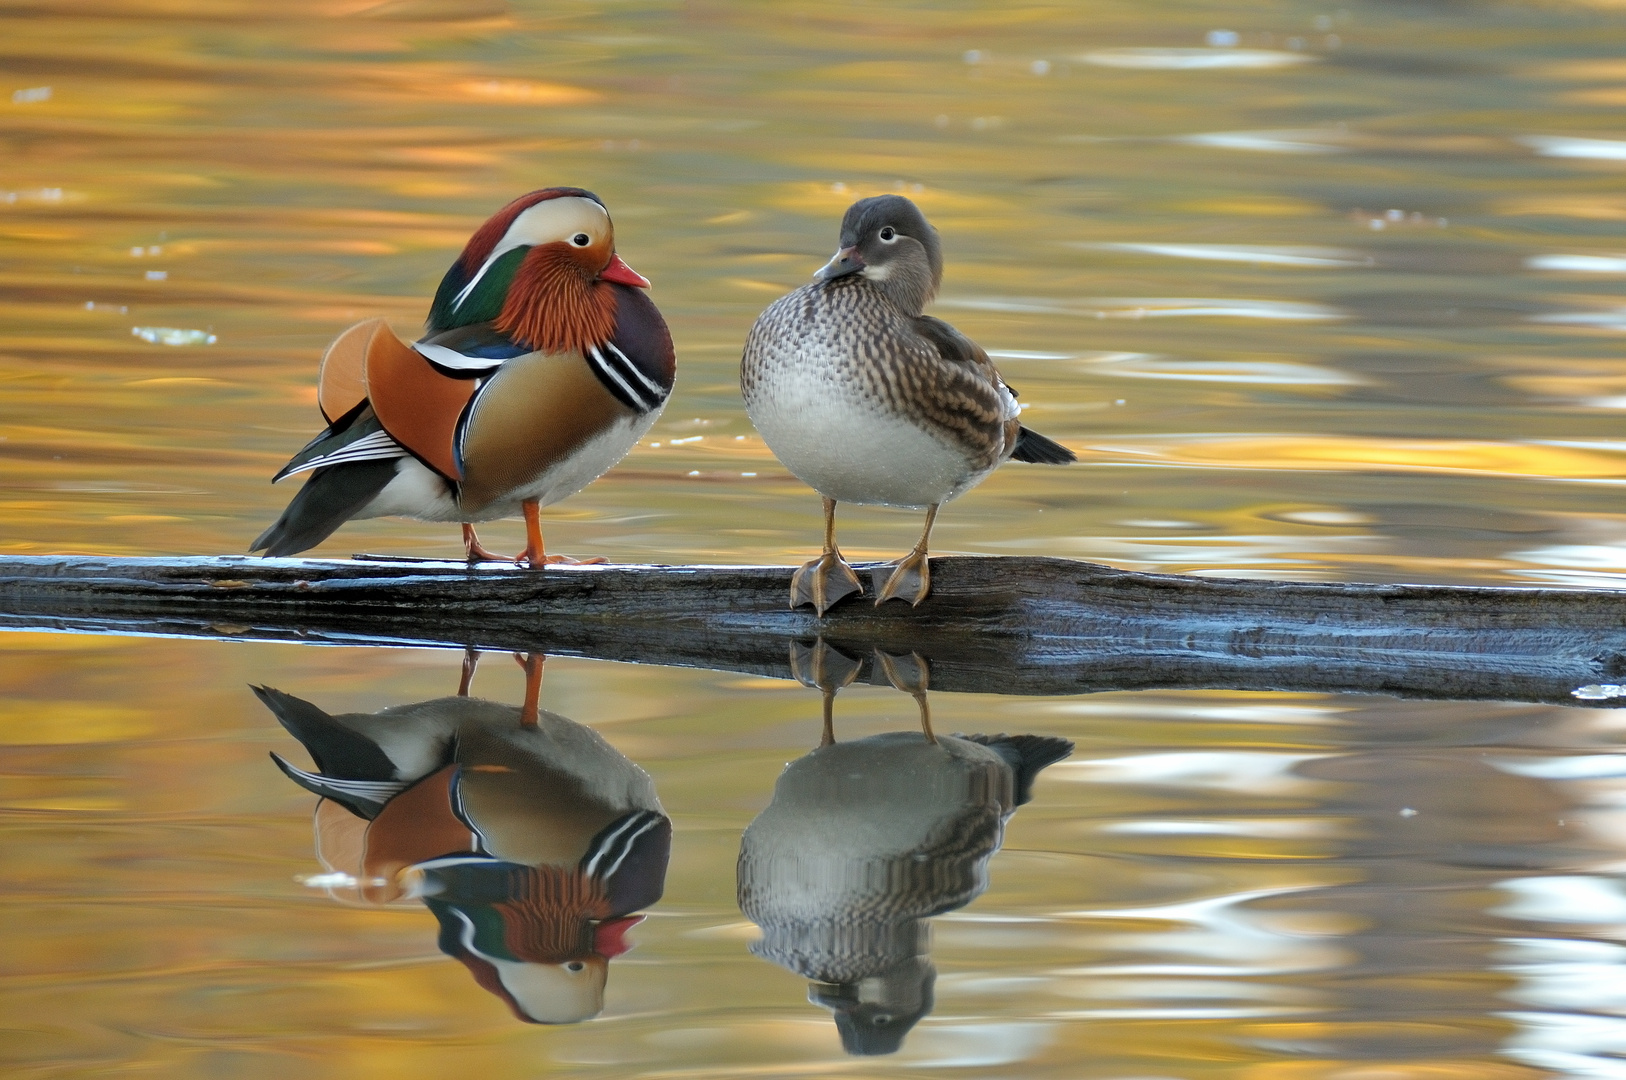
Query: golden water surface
(1319,291)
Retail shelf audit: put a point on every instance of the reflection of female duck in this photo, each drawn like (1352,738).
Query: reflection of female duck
(862,841)
(532,844)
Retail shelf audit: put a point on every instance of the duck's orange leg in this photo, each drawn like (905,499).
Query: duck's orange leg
(475,550)
(471,660)
(534,555)
(532,663)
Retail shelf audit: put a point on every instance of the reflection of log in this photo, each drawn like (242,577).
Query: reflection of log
(1004,625)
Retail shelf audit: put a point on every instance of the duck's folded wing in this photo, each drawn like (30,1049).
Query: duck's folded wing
(358,436)
(420,406)
(637,363)
(341,384)
(953,389)
(383,398)
(962,353)
(365,798)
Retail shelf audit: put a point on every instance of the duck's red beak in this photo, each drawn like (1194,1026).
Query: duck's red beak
(610,936)
(623,274)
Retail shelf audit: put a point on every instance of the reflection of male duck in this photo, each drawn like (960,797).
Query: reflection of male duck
(533,844)
(863,840)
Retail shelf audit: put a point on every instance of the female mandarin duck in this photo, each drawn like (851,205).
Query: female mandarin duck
(862,843)
(867,400)
(543,364)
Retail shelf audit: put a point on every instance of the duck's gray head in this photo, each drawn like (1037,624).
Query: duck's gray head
(889,241)
(875,1014)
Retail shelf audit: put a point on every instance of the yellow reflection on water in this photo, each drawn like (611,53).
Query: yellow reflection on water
(1223,885)
(268,179)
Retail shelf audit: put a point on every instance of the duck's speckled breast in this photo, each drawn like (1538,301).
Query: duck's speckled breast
(828,376)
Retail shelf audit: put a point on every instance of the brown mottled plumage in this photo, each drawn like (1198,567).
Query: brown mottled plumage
(867,400)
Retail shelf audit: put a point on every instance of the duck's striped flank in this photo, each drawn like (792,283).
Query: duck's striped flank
(613,846)
(622,378)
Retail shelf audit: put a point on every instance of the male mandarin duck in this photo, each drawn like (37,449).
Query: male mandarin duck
(544,362)
(867,400)
(532,843)
(862,842)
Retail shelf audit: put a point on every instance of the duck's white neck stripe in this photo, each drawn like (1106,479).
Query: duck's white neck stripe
(503,248)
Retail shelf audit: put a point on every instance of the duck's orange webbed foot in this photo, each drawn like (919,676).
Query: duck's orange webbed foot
(910,579)
(527,559)
(535,555)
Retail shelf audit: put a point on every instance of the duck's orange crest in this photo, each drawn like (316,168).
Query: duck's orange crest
(554,305)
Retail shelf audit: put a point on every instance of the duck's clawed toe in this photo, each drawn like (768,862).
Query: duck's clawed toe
(559,560)
(910,579)
(477,552)
(823,582)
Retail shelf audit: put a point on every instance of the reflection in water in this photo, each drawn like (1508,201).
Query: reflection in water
(530,838)
(862,842)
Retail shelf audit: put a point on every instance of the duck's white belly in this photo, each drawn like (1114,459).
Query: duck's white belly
(851,451)
(417,491)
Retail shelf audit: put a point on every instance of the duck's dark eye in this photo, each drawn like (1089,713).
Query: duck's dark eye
(882,1019)
(888,235)
(581,239)
(575,965)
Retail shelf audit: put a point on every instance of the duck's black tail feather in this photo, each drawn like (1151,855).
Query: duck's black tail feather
(331,497)
(1031,446)
(338,751)
(1026,754)
(363,798)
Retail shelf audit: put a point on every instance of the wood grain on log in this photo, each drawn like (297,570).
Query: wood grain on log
(1003,625)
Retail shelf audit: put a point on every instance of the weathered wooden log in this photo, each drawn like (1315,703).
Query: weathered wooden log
(1003,625)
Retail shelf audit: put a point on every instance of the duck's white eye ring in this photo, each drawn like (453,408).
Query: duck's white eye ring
(888,235)
(581,239)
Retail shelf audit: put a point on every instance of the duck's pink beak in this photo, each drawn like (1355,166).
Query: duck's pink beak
(623,274)
(610,936)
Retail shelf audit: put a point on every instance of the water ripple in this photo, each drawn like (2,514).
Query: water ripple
(1285,255)
(1155,59)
